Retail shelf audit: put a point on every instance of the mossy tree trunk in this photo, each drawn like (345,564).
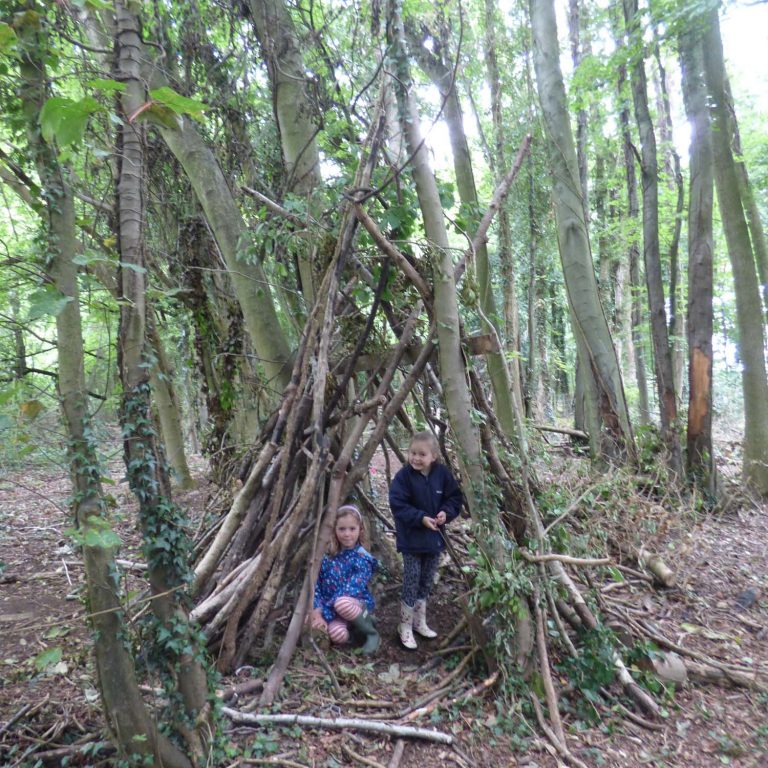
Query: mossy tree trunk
(165,543)
(133,728)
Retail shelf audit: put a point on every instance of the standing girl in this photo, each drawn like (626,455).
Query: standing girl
(342,597)
(423,497)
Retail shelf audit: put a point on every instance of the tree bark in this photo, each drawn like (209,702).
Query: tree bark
(458,398)
(699,457)
(295,116)
(133,729)
(636,351)
(651,253)
(168,409)
(609,426)
(164,539)
(507,394)
(749,310)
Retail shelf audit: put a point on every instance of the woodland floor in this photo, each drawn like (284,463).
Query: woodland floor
(719,607)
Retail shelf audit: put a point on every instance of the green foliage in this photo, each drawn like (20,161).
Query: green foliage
(181,105)
(64,121)
(46,301)
(48,658)
(591,670)
(8,40)
(95,532)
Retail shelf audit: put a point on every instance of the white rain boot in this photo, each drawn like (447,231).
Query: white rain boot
(420,620)
(405,628)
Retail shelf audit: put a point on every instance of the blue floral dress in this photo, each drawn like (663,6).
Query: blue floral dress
(346,573)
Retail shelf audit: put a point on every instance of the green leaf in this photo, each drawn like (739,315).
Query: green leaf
(181,105)
(8,40)
(108,86)
(96,5)
(64,120)
(46,301)
(48,658)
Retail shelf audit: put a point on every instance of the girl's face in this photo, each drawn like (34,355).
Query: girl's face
(348,531)
(421,456)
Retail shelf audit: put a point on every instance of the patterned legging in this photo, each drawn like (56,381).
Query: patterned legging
(418,575)
(347,609)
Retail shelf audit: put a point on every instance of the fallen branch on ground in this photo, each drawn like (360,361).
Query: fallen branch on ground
(339,723)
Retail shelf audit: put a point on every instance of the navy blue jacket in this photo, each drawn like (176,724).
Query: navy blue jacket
(412,496)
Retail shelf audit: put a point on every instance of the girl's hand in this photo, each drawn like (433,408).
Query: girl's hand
(429,522)
(441,517)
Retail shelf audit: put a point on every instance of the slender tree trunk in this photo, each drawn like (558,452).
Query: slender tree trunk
(699,457)
(675,180)
(749,310)
(498,165)
(164,540)
(507,394)
(453,377)
(633,256)
(575,14)
(295,115)
(651,254)
(168,409)
(751,210)
(610,430)
(133,729)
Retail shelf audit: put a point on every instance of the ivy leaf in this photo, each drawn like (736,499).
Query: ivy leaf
(108,86)
(181,105)
(46,301)
(64,120)
(48,658)
(8,40)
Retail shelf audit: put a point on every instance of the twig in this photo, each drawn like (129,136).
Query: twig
(23,711)
(571,509)
(567,559)
(339,723)
(349,752)
(326,666)
(397,755)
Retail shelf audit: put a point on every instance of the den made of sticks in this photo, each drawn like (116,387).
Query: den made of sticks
(469,297)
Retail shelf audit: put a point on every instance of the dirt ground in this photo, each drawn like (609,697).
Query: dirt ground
(49,704)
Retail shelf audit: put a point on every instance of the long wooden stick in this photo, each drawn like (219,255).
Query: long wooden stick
(339,723)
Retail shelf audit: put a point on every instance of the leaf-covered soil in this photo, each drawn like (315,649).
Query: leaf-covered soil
(718,608)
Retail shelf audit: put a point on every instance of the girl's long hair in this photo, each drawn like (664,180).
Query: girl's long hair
(348,510)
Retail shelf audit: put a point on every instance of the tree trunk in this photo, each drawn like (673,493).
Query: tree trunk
(636,352)
(507,394)
(699,457)
(749,310)
(295,116)
(164,540)
(675,180)
(458,398)
(651,254)
(133,729)
(609,428)
(751,210)
(168,410)
(498,165)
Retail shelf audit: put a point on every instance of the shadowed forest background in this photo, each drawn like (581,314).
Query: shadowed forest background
(250,248)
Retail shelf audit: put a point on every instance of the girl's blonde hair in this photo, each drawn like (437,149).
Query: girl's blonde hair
(427,437)
(348,510)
